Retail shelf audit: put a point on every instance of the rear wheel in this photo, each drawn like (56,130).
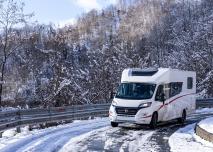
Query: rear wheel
(154,121)
(183,117)
(114,124)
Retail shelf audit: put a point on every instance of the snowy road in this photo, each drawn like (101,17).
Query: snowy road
(49,139)
(96,135)
(111,139)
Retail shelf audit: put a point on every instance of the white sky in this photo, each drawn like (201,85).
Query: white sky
(61,12)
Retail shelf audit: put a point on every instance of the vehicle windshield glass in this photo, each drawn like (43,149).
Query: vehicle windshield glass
(135,91)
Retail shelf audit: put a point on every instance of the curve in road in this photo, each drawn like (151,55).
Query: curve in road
(98,135)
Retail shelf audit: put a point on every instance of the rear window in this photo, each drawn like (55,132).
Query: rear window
(189,83)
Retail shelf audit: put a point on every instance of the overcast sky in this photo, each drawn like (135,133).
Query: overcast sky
(61,12)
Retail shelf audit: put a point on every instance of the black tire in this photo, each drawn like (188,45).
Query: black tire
(114,124)
(154,121)
(183,117)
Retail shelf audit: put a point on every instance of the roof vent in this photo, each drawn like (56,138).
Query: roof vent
(144,72)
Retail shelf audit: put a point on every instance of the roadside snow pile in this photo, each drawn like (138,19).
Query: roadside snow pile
(12,132)
(9,133)
(207,124)
(185,139)
(205,110)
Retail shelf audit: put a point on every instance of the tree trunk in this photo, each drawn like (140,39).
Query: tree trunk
(1,84)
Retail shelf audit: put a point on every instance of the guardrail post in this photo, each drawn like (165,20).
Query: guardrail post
(18,128)
(50,115)
(1,134)
(30,128)
(42,126)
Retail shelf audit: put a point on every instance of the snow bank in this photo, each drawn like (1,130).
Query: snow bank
(9,133)
(185,139)
(207,124)
(205,110)
(12,132)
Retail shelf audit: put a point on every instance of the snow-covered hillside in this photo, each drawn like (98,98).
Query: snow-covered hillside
(91,54)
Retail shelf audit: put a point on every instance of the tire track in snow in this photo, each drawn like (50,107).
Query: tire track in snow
(54,142)
(53,139)
(119,139)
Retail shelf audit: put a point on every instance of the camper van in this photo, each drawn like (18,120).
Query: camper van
(150,96)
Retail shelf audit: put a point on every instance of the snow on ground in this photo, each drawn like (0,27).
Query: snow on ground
(111,139)
(74,143)
(12,132)
(50,139)
(185,139)
(207,124)
(98,135)
(205,110)
(92,135)
(200,112)
(9,133)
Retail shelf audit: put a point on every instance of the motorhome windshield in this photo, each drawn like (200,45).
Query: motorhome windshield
(135,91)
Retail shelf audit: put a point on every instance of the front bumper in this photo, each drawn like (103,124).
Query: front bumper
(141,117)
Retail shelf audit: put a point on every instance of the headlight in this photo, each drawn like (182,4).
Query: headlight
(114,103)
(145,105)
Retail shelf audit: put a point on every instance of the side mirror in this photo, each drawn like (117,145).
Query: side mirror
(162,97)
(112,94)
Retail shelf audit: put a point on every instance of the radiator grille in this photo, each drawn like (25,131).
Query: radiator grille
(126,111)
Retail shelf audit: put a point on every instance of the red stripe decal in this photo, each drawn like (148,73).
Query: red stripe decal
(173,100)
(169,103)
(160,107)
(147,116)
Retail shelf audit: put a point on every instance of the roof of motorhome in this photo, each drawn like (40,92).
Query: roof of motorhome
(151,75)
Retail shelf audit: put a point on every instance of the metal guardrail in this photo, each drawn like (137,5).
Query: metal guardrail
(204,103)
(17,118)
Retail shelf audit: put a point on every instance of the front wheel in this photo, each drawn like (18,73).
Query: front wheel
(114,124)
(183,117)
(154,121)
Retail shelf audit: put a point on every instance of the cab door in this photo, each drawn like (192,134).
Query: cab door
(161,99)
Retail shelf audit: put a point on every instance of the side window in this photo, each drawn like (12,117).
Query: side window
(176,88)
(169,90)
(189,83)
(166,90)
(163,90)
(159,93)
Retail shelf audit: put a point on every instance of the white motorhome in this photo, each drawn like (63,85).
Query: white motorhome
(149,96)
